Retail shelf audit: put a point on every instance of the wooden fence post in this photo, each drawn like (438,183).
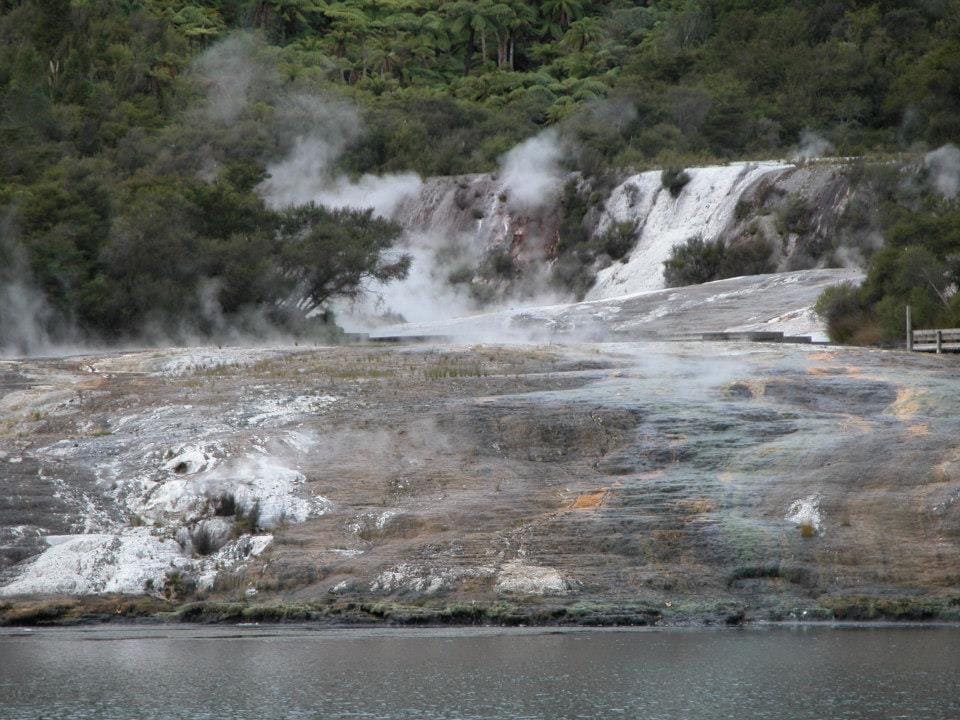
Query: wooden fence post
(939,342)
(909,330)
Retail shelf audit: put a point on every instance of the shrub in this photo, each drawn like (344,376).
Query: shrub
(460,275)
(498,265)
(747,257)
(177,586)
(693,262)
(573,212)
(674,180)
(248,521)
(697,261)
(840,306)
(883,608)
(794,215)
(573,272)
(202,541)
(618,240)
(445,369)
(795,575)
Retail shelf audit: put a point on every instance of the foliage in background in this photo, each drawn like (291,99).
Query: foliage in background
(917,265)
(133,198)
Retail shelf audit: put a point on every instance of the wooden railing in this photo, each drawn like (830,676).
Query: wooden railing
(938,341)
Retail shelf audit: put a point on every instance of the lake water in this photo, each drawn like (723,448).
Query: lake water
(263,673)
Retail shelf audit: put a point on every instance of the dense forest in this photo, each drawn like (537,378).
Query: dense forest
(133,133)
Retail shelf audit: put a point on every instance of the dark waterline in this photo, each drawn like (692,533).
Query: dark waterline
(789,673)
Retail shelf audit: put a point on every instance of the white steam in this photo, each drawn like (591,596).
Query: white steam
(812,145)
(425,295)
(383,193)
(531,172)
(25,315)
(227,74)
(943,164)
(315,130)
(22,311)
(306,175)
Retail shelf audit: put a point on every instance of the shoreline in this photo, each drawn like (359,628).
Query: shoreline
(158,630)
(127,611)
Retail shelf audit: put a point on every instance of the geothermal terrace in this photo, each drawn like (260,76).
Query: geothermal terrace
(584,482)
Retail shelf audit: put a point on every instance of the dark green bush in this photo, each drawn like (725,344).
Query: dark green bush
(225,505)
(460,275)
(697,261)
(674,180)
(693,263)
(498,264)
(572,273)
(793,216)
(840,306)
(247,520)
(177,586)
(202,541)
(750,256)
(619,239)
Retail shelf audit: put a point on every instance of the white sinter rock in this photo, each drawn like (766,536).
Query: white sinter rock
(704,207)
(518,577)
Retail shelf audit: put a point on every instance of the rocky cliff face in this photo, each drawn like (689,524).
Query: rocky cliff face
(480,210)
(476,247)
(799,210)
(705,206)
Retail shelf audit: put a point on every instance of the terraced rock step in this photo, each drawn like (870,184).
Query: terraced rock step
(640,481)
(754,307)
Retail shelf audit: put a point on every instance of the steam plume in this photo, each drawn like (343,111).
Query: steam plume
(24,313)
(306,175)
(531,172)
(812,145)
(943,165)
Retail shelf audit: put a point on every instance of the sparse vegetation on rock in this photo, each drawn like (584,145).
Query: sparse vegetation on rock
(674,180)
